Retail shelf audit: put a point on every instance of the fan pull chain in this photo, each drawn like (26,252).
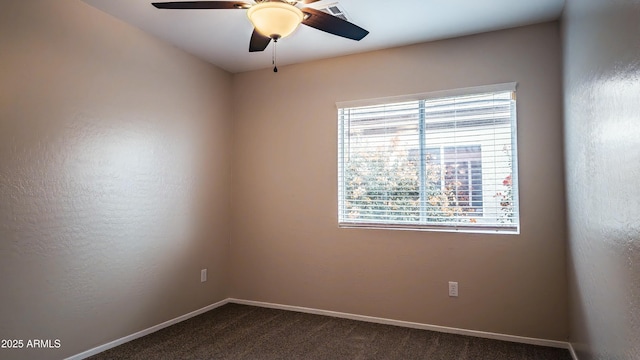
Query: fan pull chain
(273,56)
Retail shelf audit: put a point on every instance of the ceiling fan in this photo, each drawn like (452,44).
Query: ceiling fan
(276,19)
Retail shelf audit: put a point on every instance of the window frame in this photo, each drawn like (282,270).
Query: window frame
(451,227)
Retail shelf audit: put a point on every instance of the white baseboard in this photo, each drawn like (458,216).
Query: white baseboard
(574,356)
(443,329)
(144,332)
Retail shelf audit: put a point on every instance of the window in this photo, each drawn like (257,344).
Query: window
(443,161)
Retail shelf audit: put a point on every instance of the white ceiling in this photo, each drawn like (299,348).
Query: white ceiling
(222,36)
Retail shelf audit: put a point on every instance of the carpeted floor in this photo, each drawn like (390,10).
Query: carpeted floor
(237,331)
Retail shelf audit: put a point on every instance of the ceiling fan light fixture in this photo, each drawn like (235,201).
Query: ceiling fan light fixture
(275,19)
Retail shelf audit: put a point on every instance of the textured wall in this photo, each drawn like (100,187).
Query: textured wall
(287,248)
(602,117)
(114,178)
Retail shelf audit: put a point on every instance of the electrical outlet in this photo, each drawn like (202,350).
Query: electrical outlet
(203,275)
(453,288)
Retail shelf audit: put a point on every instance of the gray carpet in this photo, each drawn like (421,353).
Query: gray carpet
(237,331)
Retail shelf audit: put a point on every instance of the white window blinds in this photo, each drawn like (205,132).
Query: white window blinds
(442,161)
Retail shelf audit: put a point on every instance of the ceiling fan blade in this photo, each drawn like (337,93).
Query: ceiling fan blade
(258,42)
(333,25)
(192,5)
(307,1)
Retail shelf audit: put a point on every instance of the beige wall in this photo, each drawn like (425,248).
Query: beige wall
(286,247)
(602,126)
(114,178)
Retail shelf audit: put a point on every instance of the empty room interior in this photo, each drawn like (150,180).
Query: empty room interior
(142,183)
